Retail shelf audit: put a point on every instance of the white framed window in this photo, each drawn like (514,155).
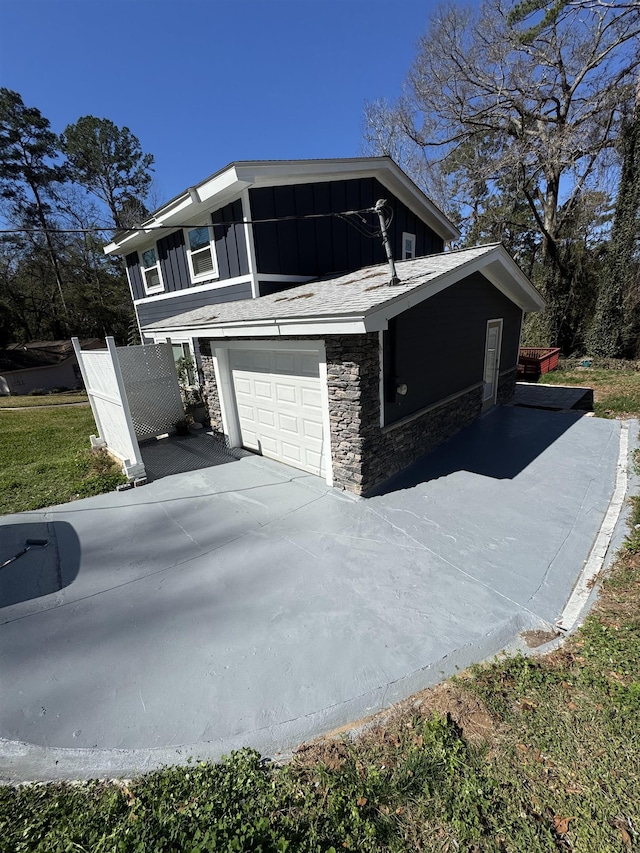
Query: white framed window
(150,267)
(201,252)
(408,246)
(182,350)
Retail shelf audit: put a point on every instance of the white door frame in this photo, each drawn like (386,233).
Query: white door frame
(226,394)
(487,402)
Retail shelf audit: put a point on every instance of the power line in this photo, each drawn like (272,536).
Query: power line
(375,232)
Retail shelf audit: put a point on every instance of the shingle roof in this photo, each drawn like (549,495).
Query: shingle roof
(355,294)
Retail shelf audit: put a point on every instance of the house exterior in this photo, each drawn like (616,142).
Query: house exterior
(310,353)
(41,365)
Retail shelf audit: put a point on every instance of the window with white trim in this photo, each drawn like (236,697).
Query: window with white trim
(150,267)
(201,252)
(408,246)
(182,350)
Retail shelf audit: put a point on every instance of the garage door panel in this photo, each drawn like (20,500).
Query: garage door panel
(266,418)
(243,384)
(308,365)
(292,452)
(286,393)
(289,424)
(279,405)
(311,429)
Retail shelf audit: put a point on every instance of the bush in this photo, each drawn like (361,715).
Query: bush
(38,392)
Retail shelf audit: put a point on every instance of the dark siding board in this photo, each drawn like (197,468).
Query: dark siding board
(173,261)
(307,233)
(240,239)
(229,237)
(332,245)
(135,275)
(340,259)
(160,309)
(220,236)
(440,343)
(266,233)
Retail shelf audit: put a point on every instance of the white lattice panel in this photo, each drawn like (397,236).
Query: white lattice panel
(108,398)
(151,383)
(100,373)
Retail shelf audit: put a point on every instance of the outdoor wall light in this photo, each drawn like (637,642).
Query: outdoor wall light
(401,389)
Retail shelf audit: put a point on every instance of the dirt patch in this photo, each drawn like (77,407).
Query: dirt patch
(533,639)
(449,700)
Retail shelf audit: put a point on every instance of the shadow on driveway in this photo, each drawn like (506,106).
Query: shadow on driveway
(177,454)
(499,445)
(37,569)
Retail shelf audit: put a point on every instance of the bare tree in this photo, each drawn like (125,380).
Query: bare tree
(538,111)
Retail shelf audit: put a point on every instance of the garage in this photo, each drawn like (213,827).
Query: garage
(279,405)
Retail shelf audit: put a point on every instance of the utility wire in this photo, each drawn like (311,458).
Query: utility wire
(374,232)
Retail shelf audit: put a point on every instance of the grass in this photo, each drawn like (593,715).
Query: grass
(524,754)
(616,392)
(26,400)
(46,459)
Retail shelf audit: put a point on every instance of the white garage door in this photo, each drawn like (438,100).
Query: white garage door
(280,405)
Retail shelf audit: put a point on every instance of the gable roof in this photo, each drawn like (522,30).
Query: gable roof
(223,186)
(361,301)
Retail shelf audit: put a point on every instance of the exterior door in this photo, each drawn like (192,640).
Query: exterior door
(491,363)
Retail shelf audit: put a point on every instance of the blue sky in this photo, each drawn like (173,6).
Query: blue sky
(205,82)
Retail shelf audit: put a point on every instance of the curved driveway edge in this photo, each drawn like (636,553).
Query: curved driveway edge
(250,605)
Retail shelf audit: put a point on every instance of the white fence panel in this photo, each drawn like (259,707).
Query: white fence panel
(151,383)
(107,396)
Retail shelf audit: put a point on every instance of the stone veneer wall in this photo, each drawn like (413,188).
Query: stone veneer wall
(364,455)
(507,386)
(210,386)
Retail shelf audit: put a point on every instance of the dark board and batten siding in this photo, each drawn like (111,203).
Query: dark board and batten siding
(329,244)
(231,254)
(231,245)
(160,309)
(437,347)
(173,262)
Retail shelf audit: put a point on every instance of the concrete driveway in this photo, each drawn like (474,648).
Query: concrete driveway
(249,604)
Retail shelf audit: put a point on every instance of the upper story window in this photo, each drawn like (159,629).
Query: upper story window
(408,246)
(151,275)
(201,253)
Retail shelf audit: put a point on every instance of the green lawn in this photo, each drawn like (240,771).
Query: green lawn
(521,756)
(616,392)
(46,459)
(525,754)
(43,400)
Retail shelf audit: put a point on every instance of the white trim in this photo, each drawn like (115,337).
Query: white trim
(250,245)
(431,407)
(221,187)
(412,238)
(326,420)
(226,396)
(491,264)
(295,346)
(488,402)
(381,376)
(271,329)
(584,586)
(201,288)
(210,275)
(158,288)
